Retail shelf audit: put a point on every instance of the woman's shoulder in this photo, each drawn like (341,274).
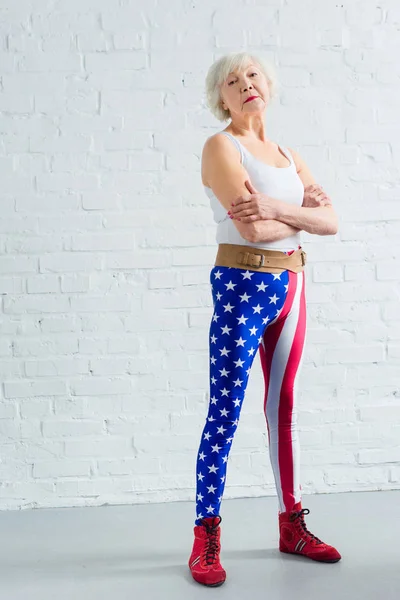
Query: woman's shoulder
(220,143)
(216,140)
(295,155)
(302,168)
(218,153)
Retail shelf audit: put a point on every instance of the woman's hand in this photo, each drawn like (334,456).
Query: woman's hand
(314,196)
(255,208)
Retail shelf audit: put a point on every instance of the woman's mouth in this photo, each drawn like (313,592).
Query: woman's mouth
(250,99)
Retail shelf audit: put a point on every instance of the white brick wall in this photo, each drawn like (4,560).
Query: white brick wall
(106,242)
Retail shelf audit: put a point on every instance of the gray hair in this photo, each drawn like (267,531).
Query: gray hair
(220,70)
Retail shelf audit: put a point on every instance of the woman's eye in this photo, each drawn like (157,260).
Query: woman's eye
(253,74)
(231,82)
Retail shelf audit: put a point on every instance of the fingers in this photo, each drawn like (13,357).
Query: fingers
(313,187)
(239,202)
(250,187)
(323,199)
(245,212)
(249,219)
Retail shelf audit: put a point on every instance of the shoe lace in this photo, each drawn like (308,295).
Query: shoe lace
(212,547)
(299,518)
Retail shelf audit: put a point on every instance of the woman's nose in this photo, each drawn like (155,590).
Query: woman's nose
(247,86)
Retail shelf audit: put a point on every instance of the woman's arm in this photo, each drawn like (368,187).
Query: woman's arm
(260,208)
(223,172)
(320,221)
(271,231)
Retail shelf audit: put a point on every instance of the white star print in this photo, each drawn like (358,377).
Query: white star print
(244,298)
(277,276)
(238,362)
(247,275)
(261,287)
(234,322)
(242,320)
(228,307)
(226,329)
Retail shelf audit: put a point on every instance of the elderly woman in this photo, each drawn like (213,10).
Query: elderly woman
(262,195)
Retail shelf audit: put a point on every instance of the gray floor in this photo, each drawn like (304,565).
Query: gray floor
(141,552)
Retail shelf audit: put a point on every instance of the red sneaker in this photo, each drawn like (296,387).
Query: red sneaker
(204,561)
(296,539)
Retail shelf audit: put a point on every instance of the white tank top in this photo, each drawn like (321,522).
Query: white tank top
(281,183)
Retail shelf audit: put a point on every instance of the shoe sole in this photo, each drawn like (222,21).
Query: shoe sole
(331,561)
(209,584)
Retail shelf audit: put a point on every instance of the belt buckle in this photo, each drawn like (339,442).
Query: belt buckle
(262,257)
(303,258)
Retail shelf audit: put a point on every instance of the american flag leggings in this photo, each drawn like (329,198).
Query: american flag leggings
(252,311)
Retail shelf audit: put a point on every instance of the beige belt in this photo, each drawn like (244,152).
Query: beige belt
(256,259)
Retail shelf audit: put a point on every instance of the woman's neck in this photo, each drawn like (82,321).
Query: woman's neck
(254,129)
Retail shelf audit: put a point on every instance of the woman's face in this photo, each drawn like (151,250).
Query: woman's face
(245,92)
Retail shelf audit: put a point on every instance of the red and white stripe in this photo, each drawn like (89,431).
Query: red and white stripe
(281,354)
(195,562)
